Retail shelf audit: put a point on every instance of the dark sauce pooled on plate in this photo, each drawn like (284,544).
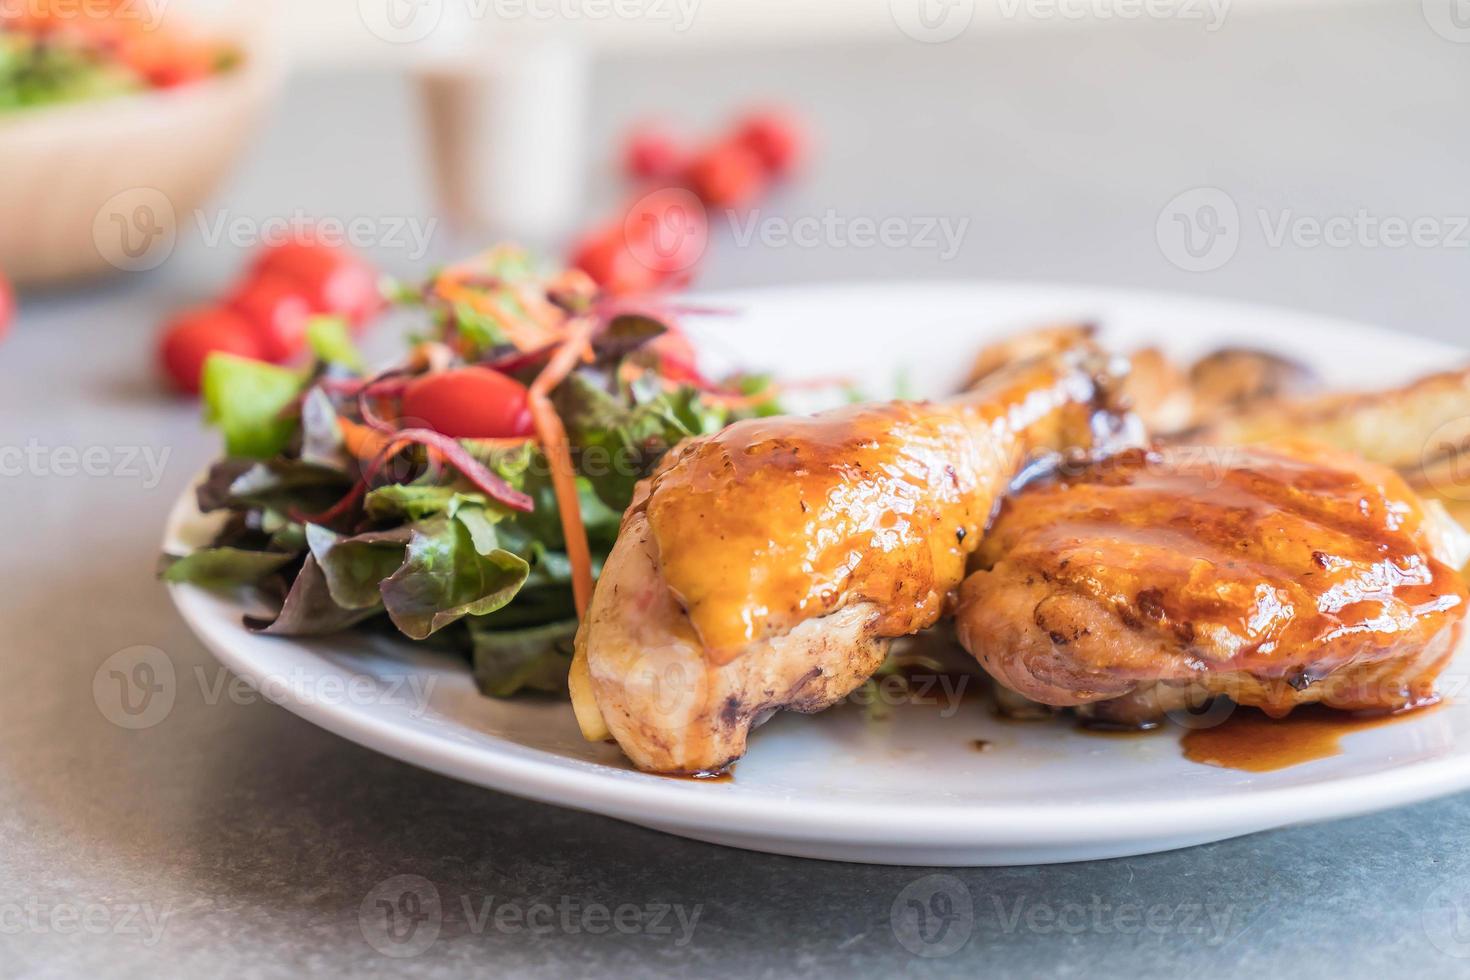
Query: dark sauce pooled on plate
(1252,741)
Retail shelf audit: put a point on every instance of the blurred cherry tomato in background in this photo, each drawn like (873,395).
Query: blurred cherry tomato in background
(653,153)
(7,306)
(332,279)
(192,336)
(667,230)
(469,403)
(776,137)
(727,175)
(676,356)
(604,255)
(277,310)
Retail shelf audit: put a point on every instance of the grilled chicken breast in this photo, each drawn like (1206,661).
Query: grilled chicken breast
(768,565)
(1155,580)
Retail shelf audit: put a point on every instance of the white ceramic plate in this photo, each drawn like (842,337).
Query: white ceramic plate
(911,789)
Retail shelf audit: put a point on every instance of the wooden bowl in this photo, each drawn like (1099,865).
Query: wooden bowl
(100,186)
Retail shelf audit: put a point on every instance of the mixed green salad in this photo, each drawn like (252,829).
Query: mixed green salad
(35,73)
(53,52)
(467,496)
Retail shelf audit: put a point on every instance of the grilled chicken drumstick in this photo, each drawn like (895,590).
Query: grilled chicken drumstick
(769,565)
(1279,576)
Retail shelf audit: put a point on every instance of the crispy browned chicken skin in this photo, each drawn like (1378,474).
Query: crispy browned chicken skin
(1276,576)
(768,565)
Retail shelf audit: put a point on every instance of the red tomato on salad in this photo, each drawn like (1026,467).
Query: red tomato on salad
(192,336)
(775,137)
(332,279)
(469,403)
(277,310)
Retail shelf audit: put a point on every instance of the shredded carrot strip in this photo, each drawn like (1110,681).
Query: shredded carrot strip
(563,481)
(547,315)
(524,335)
(544,318)
(572,349)
(362,441)
(556,446)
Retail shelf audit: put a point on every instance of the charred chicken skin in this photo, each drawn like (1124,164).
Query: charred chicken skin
(1155,580)
(768,565)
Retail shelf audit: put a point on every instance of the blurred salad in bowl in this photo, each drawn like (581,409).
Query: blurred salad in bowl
(54,52)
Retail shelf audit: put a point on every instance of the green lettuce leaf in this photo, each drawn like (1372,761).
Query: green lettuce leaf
(278,485)
(217,568)
(416,501)
(507,662)
(355,567)
(626,334)
(309,609)
(445,577)
(246,400)
(618,444)
(331,342)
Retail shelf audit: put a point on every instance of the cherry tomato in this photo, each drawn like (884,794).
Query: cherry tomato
(277,310)
(192,336)
(7,306)
(727,175)
(774,136)
(604,255)
(652,153)
(469,403)
(332,279)
(667,230)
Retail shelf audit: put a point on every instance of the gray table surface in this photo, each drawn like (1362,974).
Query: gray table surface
(250,839)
